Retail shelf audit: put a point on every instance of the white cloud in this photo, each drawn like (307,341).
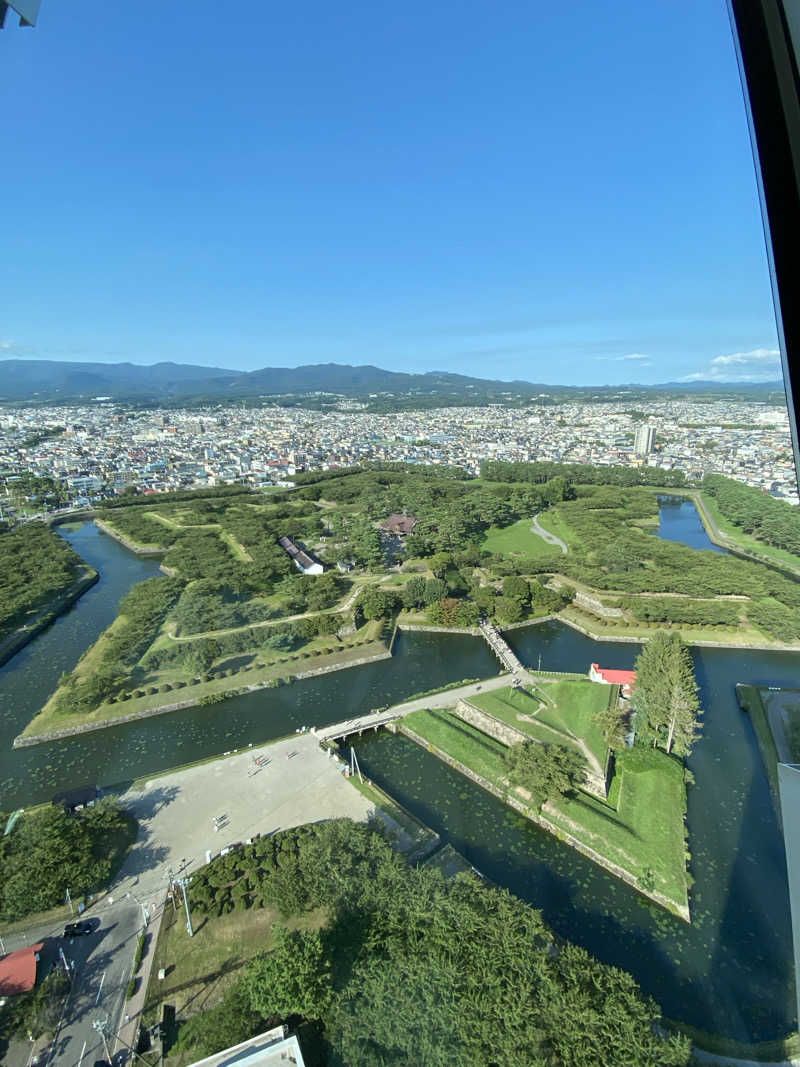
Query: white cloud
(758,365)
(6,346)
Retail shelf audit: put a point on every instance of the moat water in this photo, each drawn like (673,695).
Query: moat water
(731,971)
(679,521)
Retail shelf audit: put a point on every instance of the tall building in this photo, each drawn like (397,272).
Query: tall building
(644,439)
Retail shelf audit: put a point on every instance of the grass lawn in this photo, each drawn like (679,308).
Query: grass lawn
(646,831)
(518,540)
(572,706)
(644,834)
(552,521)
(567,707)
(747,540)
(461,741)
(199,969)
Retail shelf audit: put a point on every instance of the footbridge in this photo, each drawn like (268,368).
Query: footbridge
(338,731)
(501,649)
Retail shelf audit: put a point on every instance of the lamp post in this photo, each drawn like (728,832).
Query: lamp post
(183,883)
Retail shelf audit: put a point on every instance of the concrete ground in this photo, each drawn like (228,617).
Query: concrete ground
(295,783)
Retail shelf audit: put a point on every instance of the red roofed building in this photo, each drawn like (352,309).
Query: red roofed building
(625,679)
(18,970)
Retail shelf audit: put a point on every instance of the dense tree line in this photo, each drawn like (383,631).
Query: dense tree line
(133,499)
(580,473)
(48,852)
(678,610)
(776,522)
(196,657)
(612,553)
(36,565)
(412,968)
(206,605)
(141,614)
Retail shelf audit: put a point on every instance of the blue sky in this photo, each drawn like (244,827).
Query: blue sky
(499,189)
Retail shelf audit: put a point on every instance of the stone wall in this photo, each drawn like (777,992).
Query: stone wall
(488,724)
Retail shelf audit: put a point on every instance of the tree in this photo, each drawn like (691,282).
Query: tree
(507,609)
(545,771)
(376,603)
(229,1022)
(439,563)
(293,979)
(517,588)
(665,694)
(611,721)
(200,655)
(414,592)
(435,589)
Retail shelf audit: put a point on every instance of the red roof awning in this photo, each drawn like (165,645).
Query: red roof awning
(18,970)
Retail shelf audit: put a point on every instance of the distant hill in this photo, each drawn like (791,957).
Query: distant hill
(169,384)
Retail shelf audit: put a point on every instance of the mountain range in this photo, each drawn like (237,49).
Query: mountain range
(50,381)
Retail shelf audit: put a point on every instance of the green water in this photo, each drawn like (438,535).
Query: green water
(731,971)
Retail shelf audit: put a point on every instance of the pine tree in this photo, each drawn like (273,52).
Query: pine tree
(665,694)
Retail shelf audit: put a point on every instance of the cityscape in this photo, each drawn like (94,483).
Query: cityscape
(101,449)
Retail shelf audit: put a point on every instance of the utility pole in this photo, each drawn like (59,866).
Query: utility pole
(100,1026)
(183,883)
(69,901)
(172,889)
(354,767)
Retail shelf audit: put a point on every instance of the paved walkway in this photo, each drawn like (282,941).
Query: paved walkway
(550,538)
(295,783)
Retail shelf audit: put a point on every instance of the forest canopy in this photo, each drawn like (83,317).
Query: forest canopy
(36,565)
(397,939)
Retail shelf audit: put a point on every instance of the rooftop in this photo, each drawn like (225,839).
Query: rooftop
(270,1049)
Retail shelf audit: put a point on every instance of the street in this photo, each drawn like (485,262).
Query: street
(101,965)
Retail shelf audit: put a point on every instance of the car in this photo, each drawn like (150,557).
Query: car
(77,929)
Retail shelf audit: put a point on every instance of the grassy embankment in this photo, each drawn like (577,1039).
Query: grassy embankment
(639,829)
(568,708)
(745,635)
(200,969)
(265,667)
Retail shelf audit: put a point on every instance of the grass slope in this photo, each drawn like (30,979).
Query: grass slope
(568,707)
(643,834)
(518,540)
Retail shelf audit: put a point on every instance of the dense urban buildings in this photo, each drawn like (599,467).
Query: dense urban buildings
(104,448)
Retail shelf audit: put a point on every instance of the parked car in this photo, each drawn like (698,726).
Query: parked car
(77,929)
